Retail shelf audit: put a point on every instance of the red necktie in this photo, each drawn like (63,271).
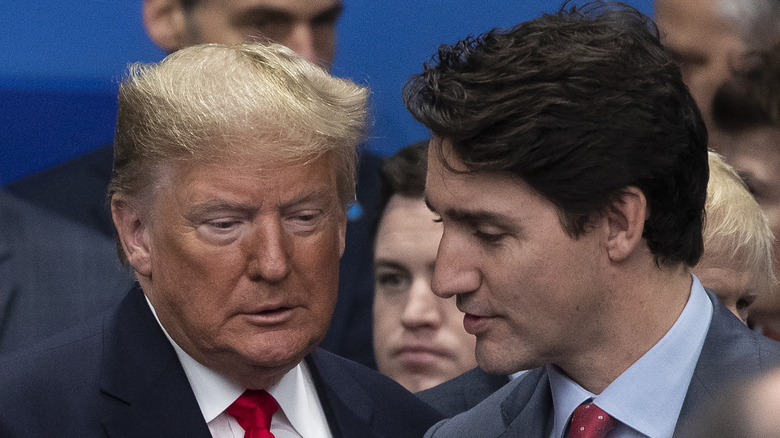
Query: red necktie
(253,411)
(589,421)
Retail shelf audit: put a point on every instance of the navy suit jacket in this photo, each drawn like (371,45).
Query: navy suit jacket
(463,392)
(523,408)
(53,274)
(119,376)
(77,190)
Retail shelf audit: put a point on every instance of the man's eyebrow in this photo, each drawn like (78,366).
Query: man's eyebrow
(215,205)
(477,216)
(271,12)
(333,12)
(387,263)
(314,195)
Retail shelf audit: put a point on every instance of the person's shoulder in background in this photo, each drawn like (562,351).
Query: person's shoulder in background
(75,189)
(55,273)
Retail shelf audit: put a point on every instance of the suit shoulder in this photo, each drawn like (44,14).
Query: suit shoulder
(52,372)
(75,189)
(95,164)
(395,410)
(463,392)
(485,419)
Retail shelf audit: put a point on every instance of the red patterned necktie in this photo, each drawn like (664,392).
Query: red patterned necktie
(253,411)
(589,421)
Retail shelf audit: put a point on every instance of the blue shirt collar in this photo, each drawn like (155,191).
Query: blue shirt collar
(648,396)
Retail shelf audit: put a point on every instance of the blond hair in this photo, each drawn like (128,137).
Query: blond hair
(736,231)
(209,102)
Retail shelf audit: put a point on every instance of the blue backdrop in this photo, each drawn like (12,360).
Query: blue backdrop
(61,61)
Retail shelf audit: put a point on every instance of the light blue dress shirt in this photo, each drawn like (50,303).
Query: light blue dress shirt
(648,396)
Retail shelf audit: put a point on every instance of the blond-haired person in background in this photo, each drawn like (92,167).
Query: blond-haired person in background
(738,263)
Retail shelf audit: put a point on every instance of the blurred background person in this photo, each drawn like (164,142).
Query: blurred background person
(747,110)
(702,42)
(306,26)
(737,263)
(757,22)
(419,338)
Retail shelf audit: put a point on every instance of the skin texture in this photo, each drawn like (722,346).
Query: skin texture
(702,43)
(534,295)
(240,261)
(755,155)
(306,26)
(734,288)
(419,339)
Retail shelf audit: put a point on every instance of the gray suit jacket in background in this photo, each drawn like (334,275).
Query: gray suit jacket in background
(54,273)
(523,408)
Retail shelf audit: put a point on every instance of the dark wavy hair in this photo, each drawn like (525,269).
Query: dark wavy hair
(402,174)
(580,105)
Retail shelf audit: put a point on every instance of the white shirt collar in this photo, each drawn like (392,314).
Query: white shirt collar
(295,392)
(648,396)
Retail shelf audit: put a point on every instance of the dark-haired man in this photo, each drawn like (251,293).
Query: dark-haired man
(568,165)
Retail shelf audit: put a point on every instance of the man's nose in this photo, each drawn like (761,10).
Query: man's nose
(267,253)
(456,269)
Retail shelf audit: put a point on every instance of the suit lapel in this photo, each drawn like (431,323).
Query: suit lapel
(142,373)
(527,411)
(482,385)
(348,408)
(727,353)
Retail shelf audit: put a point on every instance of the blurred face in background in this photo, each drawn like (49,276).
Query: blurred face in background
(755,154)
(306,26)
(736,289)
(419,338)
(702,43)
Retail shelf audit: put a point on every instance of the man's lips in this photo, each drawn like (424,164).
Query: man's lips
(271,316)
(420,354)
(475,324)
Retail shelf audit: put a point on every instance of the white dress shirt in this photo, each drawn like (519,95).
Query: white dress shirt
(648,396)
(300,413)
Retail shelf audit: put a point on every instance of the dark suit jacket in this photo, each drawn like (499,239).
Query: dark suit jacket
(118,376)
(53,274)
(77,189)
(524,407)
(463,392)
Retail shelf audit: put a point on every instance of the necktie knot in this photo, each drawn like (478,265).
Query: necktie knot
(253,411)
(589,421)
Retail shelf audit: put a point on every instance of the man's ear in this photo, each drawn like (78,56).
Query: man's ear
(133,235)
(165,23)
(342,234)
(626,220)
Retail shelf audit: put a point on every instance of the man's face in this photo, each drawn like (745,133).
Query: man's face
(244,262)
(306,26)
(734,288)
(702,43)
(755,155)
(532,294)
(419,338)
